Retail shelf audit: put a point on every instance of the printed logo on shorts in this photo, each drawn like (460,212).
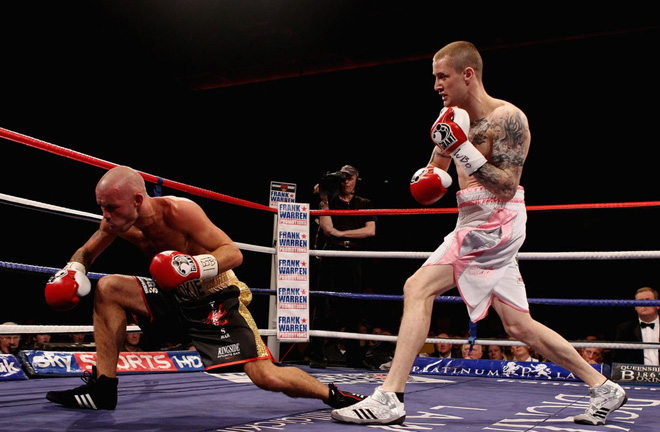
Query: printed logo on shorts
(231,350)
(217,317)
(148,285)
(184,264)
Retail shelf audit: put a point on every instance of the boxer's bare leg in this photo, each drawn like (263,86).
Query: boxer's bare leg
(114,296)
(291,381)
(296,383)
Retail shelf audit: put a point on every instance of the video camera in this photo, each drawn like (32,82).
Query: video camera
(330,183)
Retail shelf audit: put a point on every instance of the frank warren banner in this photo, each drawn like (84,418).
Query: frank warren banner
(281,192)
(293,272)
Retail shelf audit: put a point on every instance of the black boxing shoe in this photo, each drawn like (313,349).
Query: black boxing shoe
(342,399)
(97,393)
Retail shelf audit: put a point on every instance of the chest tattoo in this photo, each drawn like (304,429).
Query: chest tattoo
(478,131)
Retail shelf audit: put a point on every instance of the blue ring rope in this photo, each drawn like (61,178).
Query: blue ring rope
(389,297)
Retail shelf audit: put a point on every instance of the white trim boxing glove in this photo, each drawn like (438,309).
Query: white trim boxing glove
(80,276)
(64,288)
(171,268)
(450,132)
(429,184)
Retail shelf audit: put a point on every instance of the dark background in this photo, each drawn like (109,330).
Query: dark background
(229,95)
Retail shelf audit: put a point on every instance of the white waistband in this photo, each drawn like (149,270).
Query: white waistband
(481,196)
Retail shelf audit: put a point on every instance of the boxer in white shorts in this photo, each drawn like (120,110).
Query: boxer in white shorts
(488,140)
(482,249)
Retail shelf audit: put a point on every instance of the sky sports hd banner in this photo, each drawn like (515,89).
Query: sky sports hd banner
(39,363)
(10,368)
(293,272)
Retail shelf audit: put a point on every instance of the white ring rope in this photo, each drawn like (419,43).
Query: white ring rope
(53,329)
(63,329)
(91,217)
(37,329)
(533,256)
(527,256)
(48,208)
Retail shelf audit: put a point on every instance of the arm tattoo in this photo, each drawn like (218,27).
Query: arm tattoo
(437,154)
(510,139)
(479,131)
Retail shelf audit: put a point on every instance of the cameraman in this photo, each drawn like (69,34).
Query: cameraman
(337,192)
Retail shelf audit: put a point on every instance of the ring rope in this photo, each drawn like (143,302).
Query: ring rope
(536,256)
(389,297)
(53,329)
(24,329)
(587,206)
(91,217)
(58,329)
(81,157)
(528,256)
(24,139)
(48,208)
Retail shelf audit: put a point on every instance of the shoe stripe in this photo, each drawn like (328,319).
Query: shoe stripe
(602,413)
(85,401)
(364,413)
(90,401)
(80,402)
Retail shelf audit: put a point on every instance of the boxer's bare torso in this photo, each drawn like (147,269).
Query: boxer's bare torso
(503,137)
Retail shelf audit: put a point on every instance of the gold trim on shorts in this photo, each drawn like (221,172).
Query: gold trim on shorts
(227,279)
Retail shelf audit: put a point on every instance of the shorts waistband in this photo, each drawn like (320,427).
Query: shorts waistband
(481,196)
(220,282)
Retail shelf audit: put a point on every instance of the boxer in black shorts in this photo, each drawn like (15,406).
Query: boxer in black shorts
(194,294)
(218,324)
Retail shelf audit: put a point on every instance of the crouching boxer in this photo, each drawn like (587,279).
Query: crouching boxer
(194,295)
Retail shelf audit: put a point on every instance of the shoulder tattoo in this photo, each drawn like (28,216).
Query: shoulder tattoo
(510,140)
(479,131)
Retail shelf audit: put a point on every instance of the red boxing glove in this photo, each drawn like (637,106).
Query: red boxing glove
(171,268)
(449,133)
(429,184)
(64,288)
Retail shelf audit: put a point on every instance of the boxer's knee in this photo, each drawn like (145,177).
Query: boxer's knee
(522,330)
(412,288)
(114,289)
(264,375)
(428,282)
(103,291)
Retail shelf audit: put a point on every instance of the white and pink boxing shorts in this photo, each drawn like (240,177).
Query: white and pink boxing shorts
(483,250)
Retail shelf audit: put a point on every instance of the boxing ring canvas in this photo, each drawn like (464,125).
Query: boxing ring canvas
(229,402)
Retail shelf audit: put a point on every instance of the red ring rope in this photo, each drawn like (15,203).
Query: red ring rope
(72,154)
(52,148)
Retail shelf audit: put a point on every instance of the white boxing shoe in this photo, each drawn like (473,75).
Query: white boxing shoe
(381,408)
(603,400)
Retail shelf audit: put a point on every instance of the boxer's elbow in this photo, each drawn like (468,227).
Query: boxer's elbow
(507,193)
(237,258)
(230,258)
(503,187)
